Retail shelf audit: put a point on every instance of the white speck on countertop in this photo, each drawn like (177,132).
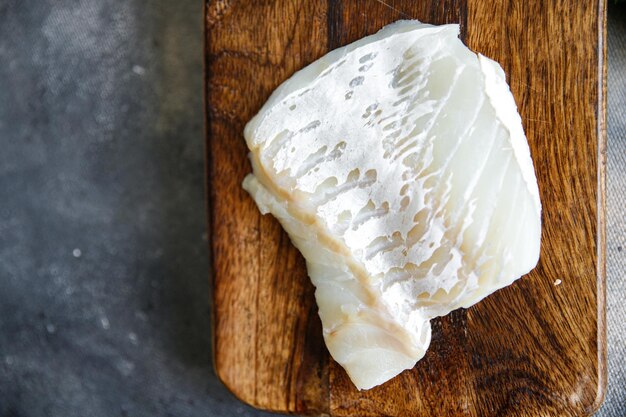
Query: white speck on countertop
(133,338)
(557,282)
(141,315)
(105,323)
(125,367)
(51,328)
(139,70)
(77,253)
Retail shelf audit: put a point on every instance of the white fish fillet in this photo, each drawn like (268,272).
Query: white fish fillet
(399,167)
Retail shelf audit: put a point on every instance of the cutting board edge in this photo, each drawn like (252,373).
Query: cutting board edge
(210,221)
(601,221)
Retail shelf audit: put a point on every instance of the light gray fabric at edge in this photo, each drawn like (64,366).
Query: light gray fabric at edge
(615,399)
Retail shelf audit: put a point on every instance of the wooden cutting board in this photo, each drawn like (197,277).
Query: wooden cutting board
(532,349)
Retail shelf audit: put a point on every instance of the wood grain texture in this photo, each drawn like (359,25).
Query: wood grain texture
(532,349)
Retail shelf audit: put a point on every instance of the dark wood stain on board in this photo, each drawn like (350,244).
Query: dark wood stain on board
(532,349)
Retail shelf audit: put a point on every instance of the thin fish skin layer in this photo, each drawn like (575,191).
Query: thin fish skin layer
(399,167)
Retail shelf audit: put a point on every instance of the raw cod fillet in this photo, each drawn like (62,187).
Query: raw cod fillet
(399,168)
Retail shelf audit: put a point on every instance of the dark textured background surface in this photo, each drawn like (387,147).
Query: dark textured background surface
(104,305)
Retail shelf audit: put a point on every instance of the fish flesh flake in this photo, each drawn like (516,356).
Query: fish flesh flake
(399,167)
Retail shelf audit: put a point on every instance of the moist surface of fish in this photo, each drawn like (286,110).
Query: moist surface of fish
(399,168)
